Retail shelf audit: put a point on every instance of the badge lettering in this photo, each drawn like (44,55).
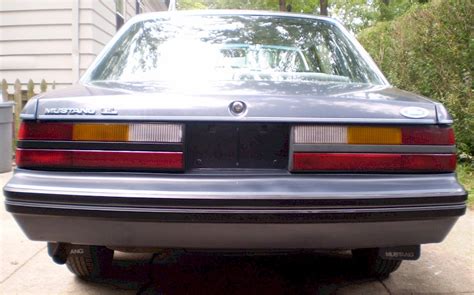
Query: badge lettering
(69,111)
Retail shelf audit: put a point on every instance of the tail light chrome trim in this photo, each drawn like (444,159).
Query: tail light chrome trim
(375,148)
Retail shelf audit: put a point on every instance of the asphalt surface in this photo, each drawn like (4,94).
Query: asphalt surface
(446,268)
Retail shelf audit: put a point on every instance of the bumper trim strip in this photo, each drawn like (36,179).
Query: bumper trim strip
(275,203)
(239,216)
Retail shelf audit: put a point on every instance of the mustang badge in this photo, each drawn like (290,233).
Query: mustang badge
(69,111)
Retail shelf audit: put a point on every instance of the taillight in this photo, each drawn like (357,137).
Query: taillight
(416,135)
(319,148)
(135,146)
(150,132)
(370,162)
(428,135)
(45,131)
(121,160)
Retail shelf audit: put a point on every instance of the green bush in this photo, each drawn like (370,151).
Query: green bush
(429,50)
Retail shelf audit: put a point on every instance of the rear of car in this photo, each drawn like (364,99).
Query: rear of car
(248,131)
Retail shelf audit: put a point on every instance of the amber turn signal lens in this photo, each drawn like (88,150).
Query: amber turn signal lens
(100,132)
(374,135)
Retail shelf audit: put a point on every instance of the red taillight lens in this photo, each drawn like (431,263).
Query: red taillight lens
(428,135)
(42,158)
(345,162)
(114,160)
(127,160)
(45,131)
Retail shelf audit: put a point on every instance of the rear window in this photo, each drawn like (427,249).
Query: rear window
(225,48)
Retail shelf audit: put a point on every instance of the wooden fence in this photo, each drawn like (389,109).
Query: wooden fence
(20,96)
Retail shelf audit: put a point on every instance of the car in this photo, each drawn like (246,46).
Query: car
(234,131)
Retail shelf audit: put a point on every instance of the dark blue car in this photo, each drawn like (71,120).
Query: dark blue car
(235,131)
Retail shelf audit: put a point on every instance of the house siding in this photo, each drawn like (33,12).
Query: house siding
(150,6)
(57,40)
(33,46)
(130,9)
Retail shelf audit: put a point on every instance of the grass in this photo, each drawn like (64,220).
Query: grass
(466,177)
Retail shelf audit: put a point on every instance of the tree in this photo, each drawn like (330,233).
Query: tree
(323,7)
(355,14)
(282,5)
(301,6)
(428,50)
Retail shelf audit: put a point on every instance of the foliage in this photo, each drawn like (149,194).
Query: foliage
(359,14)
(429,50)
(355,14)
(303,6)
(191,4)
(465,174)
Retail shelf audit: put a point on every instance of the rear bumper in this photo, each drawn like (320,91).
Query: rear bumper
(264,211)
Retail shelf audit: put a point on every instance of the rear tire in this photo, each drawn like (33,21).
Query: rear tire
(89,261)
(372,265)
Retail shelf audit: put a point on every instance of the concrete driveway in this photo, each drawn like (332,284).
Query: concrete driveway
(447,268)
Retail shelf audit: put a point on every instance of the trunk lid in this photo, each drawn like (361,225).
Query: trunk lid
(265,102)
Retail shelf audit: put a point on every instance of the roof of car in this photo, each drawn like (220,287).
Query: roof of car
(222,12)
